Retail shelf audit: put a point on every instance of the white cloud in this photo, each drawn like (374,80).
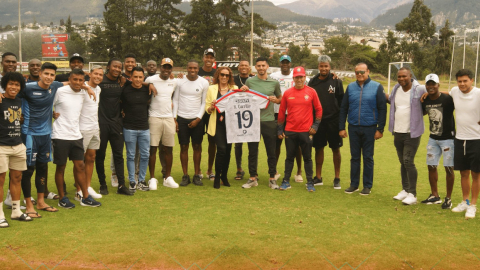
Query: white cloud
(31,13)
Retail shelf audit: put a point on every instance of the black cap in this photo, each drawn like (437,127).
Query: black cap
(76,56)
(209,51)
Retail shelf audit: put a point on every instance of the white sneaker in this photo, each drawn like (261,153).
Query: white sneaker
(410,199)
(277,176)
(250,183)
(298,178)
(78,196)
(460,207)
(169,182)
(152,183)
(471,210)
(114,180)
(401,195)
(93,193)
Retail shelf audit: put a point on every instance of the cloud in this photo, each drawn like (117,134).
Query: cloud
(31,13)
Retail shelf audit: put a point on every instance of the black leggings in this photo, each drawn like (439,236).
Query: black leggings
(222,159)
(40,179)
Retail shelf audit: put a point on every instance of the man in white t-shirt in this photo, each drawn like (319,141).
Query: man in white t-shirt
(90,129)
(162,123)
(285,78)
(406,125)
(67,140)
(466,158)
(188,108)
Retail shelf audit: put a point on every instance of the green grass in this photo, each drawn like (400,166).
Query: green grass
(233,228)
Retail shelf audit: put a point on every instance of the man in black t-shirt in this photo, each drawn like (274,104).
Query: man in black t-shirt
(12,151)
(330,92)
(135,100)
(111,127)
(439,108)
(207,72)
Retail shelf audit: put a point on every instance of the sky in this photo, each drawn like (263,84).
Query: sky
(279,2)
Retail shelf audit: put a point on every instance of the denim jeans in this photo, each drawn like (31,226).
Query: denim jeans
(406,150)
(132,138)
(362,141)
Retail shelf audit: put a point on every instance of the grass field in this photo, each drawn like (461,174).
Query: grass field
(233,228)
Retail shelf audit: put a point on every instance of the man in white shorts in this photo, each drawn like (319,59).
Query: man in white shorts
(162,123)
(89,127)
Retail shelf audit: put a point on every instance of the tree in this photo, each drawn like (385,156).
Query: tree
(62,22)
(443,50)
(418,24)
(388,52)
(75,44)
(68,26)
(97,46)
(31,44)
(336,48)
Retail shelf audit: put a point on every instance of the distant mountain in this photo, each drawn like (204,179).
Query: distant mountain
(366,10)
(46,11)
(456,11)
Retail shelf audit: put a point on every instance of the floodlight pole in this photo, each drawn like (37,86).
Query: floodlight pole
(20,37)
(476,62)
(451,63)
(389,71)
(464,46)
(251,39)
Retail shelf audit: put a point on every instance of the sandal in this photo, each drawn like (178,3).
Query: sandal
(4,223)
(211,177)
(52,196)
(23,217)
(240,175)
(46,209)
(33,213)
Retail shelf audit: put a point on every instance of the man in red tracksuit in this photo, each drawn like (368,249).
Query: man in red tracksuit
(300,101)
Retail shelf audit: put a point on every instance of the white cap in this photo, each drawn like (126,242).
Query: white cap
(432,77)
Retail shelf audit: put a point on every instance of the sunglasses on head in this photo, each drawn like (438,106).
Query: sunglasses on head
(360,72)
(224,75)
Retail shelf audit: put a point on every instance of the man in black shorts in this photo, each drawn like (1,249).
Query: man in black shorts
(330,92)
(188,108)
(207,72)
(67,140)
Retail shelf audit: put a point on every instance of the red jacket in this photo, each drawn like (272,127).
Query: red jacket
(300,104)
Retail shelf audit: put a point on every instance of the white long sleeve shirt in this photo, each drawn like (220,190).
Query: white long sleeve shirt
(189,99)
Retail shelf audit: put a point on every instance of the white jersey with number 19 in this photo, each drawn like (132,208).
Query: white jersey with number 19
(242,114)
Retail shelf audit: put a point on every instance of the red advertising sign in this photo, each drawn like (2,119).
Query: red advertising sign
(53,45)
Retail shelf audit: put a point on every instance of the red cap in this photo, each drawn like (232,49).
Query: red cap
(298,71)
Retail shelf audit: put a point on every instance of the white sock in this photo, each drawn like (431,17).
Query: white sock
(2,215)
(16,212)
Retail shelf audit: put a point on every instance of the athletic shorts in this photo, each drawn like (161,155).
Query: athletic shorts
(185,133)
(467,155)
(91,139)
(63,149)
(13,158)
(162,130)
(39,148)
(328,133)
(435,149)
(206,121)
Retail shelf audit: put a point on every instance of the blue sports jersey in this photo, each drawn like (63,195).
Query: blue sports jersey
(38,108)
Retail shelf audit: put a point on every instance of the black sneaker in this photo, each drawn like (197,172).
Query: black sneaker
(432,200)
(104,190)
(447,204)
(142,186)
(185,181)
(197,180)
(65,203)
(318,182)
(133,187)
(123,190)
(365,191)
(351,189)
(336,183)
(89,201)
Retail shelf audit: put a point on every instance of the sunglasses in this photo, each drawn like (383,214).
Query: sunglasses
(224,75)
(360,72)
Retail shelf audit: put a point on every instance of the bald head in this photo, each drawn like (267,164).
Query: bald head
(34,69)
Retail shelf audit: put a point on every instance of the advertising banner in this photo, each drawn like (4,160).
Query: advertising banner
(53,45)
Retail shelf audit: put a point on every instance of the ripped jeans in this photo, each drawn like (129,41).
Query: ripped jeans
(406,149)
(435,149)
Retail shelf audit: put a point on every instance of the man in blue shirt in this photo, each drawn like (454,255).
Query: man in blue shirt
(365,104)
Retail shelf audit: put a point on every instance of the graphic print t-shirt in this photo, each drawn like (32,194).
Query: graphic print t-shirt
(242,115)
(440,115)
(11,110)
(207,75)
(286,82)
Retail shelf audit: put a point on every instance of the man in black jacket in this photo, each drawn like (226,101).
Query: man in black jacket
(330,92)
